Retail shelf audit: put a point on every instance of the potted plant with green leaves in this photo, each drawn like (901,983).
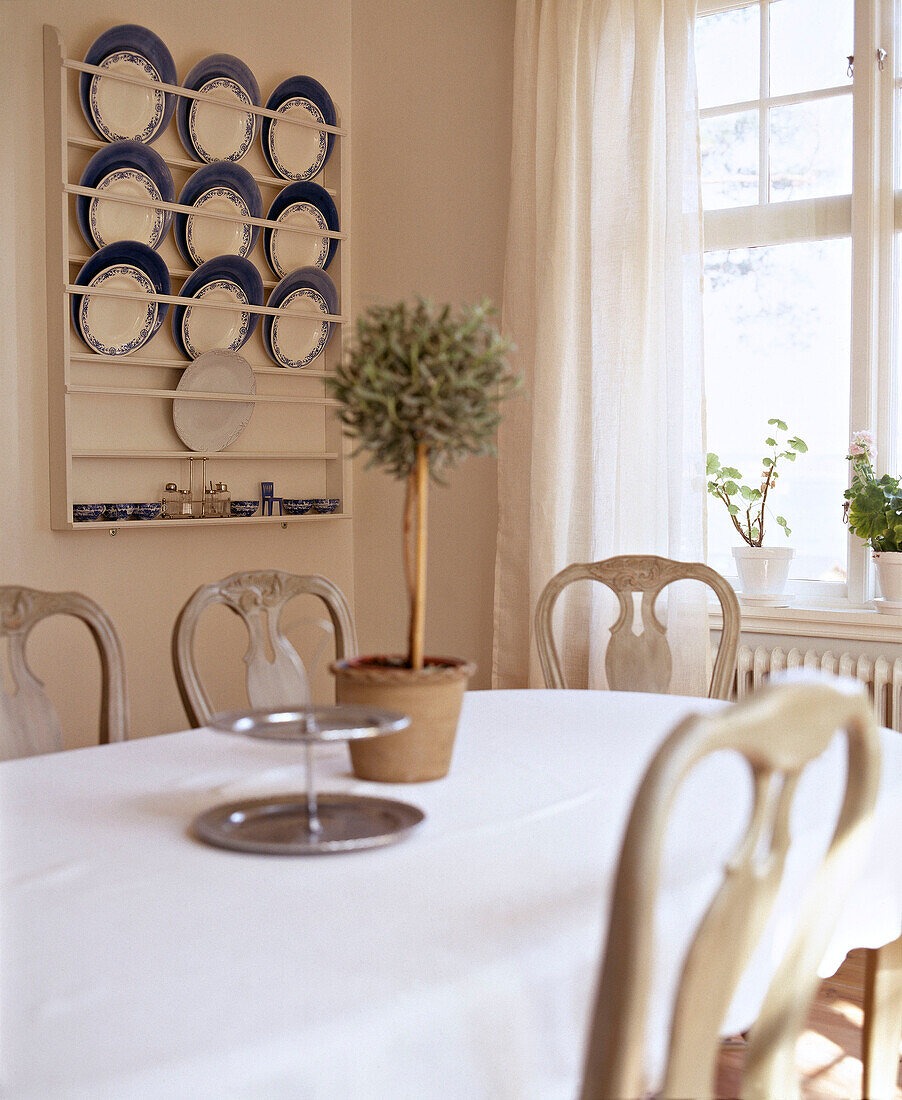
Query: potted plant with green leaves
(419,389)
(762,569)
(873,510)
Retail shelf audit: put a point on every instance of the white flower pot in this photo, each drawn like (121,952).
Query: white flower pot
(889,574)
(762,569)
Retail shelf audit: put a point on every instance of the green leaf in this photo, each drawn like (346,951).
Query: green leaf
(730,488)
(781,521)
(768,462)
(780,424)
(731,472)
(732,509)
(713,464)
(798,445)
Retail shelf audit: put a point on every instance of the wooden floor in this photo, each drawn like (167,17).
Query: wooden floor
(829,1052)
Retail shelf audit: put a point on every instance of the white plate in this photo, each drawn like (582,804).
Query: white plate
(209,237)
(766,601)
(120,221)
(123,110)
(888,607)
(206,329)
(298,152)
(221,133)
(296,342)
(116,326)
(288,251)
(212,425)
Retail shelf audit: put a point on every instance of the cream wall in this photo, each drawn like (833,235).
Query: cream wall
(431,83)
(141,577)
(430,86)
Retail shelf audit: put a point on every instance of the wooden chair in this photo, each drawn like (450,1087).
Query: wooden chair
(28,721)
(258,598)
(779,731)
(639,662)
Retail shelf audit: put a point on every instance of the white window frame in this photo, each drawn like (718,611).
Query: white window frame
(868,217)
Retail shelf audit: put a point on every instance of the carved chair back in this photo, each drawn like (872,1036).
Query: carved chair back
(640,662)
(28,720)
(779,731)
(275,674)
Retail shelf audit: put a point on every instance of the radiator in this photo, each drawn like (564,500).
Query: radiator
(882,676)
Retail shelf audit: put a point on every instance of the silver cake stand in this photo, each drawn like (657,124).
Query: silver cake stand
(312,823)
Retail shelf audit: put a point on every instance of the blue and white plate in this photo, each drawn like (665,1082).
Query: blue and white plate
(304,205)
(298,152)
(117,326)
(228,279)
(116,110)
(132,170)
(221,188)
(295,341)
(212,133)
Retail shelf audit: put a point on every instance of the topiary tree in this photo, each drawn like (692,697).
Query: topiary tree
(420,389)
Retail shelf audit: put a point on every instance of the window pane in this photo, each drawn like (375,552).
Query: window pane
(777,345)
(810,41)
(729,160)
(727,50)
(811,149)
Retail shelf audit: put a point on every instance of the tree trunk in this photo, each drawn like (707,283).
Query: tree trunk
(418,594)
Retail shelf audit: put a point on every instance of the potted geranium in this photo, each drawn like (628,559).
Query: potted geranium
(873,510)
(419,390)
(762,569)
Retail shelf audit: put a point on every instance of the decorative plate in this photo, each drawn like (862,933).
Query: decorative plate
(304,205)
(133,170)
(207,329)
(224,279)
(295,341)
(209,237)
(213,425)
(117,326)
(298,152)
(220,188)
(116,110)
(211,133)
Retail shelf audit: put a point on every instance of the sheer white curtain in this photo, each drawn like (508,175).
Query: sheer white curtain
(602,296)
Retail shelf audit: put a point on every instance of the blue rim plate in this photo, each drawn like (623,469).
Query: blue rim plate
(130,38)
(303,191)
(304,88)
(232,269)
(221,174)
(124,155)
(225,73)
(306,282)
(126,254)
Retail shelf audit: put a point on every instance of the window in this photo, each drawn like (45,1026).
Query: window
(797,189)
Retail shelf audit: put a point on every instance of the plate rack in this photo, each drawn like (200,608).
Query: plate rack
(110,418)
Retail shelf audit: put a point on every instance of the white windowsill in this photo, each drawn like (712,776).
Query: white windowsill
(858,623)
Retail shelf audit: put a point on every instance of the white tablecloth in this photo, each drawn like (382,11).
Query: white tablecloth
(459,963)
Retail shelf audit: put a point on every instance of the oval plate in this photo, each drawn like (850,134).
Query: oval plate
(213,425)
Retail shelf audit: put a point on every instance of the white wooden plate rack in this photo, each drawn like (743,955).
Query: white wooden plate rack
(111,433)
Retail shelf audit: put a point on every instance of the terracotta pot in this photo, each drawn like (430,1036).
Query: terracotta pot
(432,698)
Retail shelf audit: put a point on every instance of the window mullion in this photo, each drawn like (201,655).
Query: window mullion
(763,114)
(865,336)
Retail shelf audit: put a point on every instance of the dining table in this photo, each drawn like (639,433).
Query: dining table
(459,962)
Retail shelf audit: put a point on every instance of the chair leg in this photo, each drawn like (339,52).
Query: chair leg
(882,1021)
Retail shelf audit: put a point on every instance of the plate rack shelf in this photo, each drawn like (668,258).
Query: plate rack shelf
(110,417)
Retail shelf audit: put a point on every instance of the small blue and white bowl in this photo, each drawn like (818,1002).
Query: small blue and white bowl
(87,513)
(149,510)
(296,506)
(244,508)
(325,506)
(124,511)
